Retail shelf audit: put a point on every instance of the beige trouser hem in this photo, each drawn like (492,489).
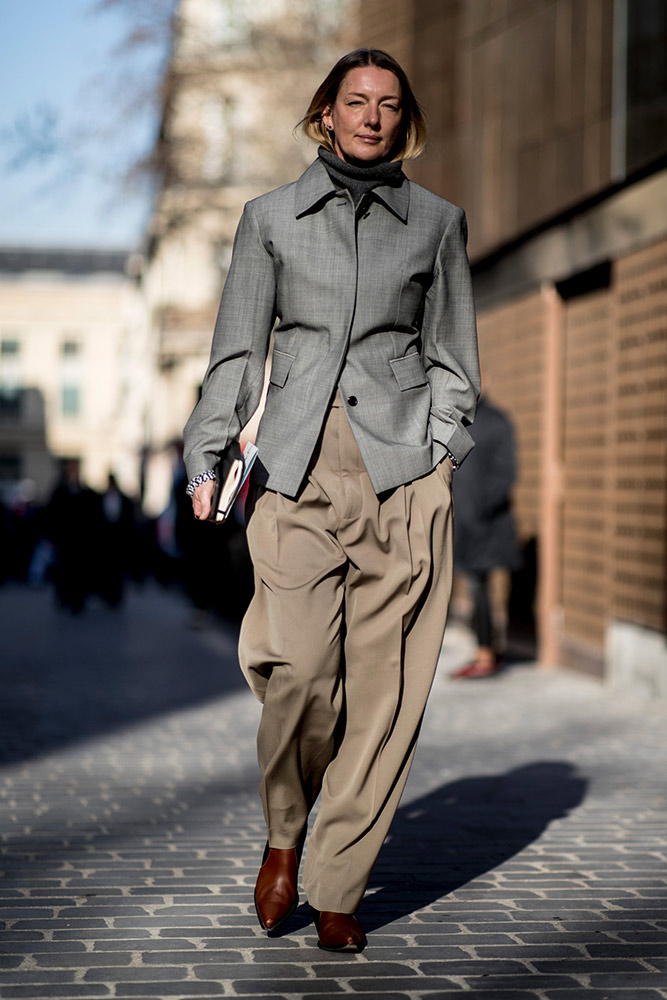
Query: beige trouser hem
(340,643)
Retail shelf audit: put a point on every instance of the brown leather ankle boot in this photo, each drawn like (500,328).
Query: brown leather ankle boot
(276,895)
(339,931)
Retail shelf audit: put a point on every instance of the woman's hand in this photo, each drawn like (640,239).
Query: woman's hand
(201,500)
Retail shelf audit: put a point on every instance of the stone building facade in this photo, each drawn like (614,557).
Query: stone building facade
(548,123)
(75,368)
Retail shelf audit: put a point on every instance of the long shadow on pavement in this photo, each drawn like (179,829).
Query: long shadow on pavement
(462,830)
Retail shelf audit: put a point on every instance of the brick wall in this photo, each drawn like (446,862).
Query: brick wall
(587,409)
(512,341)
(639,584)
(611,493)
(518,101)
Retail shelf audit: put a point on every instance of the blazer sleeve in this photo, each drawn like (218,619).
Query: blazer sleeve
(232,385)
(449,342)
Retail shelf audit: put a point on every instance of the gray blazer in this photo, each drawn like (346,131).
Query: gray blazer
(376,302)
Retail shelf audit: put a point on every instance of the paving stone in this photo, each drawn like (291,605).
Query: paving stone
(110,973)
(427,928)
(167,989)
(20,938)
(379,985)
(36,976)
(484,995)
(210,970)
(587,966)
(363,968)
(407,952)
(267,955)
(252,941)
(528,952)
(336,996)
(515,985)
(637,980)
(10,961)
(471,966)
(301,986)
(143,944)
(169,920)
(462,939)
(645,934)
(620,994)
(37,948)
(44,990)
(79,960)
(92,935)
(648,948)
(54,924)
(577,938)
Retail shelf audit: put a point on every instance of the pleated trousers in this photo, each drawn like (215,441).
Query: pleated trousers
(340,644)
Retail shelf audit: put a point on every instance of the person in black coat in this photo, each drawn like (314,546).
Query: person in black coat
(72,525)
(485,535)
(116,543)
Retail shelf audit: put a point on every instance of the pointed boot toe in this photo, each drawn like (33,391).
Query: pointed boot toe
(276,894)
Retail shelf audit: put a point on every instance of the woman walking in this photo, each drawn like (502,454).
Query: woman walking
(374,377)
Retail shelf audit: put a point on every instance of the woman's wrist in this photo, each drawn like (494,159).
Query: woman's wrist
(203,477)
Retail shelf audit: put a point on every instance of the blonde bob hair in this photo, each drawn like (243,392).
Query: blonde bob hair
(412,135)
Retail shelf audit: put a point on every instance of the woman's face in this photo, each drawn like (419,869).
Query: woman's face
(366,115)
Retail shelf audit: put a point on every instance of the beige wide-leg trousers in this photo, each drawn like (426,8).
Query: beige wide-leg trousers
(340,643)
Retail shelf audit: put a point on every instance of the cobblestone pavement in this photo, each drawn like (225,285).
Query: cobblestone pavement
(528,859)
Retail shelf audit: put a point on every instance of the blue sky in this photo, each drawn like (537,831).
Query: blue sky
(59,63)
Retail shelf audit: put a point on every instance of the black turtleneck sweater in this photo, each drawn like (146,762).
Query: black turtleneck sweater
(357,179)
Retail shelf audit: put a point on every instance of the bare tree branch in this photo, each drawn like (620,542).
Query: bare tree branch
(99,135)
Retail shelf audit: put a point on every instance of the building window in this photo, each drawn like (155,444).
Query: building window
(10,468)
(70,396)
(646,82)
(70,401)
(10,377)
(216,127)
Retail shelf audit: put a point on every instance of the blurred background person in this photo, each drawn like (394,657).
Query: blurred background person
(72,525)
(485,537)
(19,532)
(116,542)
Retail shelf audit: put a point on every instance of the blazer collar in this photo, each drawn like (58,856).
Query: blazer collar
(315,186)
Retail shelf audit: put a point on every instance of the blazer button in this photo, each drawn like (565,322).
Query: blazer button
(352,400)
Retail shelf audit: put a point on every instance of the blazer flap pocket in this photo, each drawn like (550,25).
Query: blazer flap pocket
(408,371)
(280,366)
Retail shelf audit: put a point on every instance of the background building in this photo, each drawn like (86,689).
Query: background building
(548,123)
(74,368)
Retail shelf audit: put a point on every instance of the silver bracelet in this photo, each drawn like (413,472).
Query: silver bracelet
(455,464)
(203,477)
